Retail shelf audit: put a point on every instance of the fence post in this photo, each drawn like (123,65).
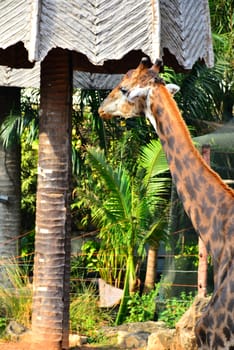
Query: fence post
(202,252)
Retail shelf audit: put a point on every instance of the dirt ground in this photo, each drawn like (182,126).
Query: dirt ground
(13,346)
(25,346)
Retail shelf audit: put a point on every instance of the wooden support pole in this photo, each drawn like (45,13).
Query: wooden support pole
(202,252)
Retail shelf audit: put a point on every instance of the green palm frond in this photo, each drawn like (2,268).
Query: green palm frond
(157,231)
(203,90)
(15,125)
(153,161)
(32,126)
(11,129)
(93,98)
(116,182)
(155,186)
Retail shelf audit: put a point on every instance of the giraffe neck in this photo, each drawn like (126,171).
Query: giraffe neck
(206,199)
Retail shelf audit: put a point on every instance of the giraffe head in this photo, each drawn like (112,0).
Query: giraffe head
(131,97)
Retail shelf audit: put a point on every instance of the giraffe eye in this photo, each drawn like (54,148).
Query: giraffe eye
(123,90)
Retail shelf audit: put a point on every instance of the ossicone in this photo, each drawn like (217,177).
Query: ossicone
(146,62)
(158,62)
(158,65)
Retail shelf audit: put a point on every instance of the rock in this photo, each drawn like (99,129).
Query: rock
(185,329)
(134,327)
(77,340)
(137,340)
(14,330)
(135,335)
(156,336)
(161,340)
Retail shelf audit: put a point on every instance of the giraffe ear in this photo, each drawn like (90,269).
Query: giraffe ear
(136,92)
(173,88)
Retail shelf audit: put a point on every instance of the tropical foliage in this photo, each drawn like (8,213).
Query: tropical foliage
(174,308)
(128,212)
(141,308)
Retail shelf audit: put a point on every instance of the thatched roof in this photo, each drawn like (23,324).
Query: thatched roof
(24,78)
(105,36)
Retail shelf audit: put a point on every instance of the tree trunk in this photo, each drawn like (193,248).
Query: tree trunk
(151,268)
(9,180)
(202,252)
(128,282)
(50,318)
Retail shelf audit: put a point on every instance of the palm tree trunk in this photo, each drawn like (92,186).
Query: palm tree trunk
(151,268)
(9,180)
(50,318)
(128,281)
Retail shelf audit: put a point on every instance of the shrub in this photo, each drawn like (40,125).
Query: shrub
(174,308)
(142,308)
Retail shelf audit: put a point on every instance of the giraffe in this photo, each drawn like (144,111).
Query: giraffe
(207,200)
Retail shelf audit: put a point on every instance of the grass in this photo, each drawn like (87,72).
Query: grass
(86,317)
(15,293)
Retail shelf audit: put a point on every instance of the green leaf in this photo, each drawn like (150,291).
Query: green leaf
(116,182)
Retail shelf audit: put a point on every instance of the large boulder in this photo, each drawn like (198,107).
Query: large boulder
(135,340)
(135,335)
(161,340)
(185,329)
